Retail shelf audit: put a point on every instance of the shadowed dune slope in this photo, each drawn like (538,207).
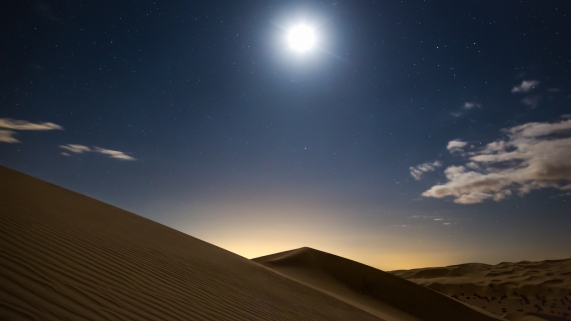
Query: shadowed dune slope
(518,291)
(371,289)
(64,256)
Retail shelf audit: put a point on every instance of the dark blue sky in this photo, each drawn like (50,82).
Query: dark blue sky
(198,115)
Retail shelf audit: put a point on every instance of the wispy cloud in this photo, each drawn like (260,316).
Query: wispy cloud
(470,105)
(26,125)
(418,171)
(531,101)
(7,135)
(431,219)
(526,86)
(78,149)
(465,108)
(113,153)
(456,146)
(74,148)
(530,156)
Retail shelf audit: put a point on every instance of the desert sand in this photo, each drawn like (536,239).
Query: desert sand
(65,256)
(384,295)
(525,291)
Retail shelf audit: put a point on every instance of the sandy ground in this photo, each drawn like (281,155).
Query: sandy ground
(523,291)
(64,256)
(382,294)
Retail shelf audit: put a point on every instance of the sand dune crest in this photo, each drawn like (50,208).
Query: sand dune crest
(375,291)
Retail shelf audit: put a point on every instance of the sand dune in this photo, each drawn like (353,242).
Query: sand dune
(64,256)
(380,293)
(523,291)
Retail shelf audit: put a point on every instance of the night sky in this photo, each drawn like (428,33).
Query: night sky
(411,134)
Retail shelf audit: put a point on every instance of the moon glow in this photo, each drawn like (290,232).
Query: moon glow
(301,38)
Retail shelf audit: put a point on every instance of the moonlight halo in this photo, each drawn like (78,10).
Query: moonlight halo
(301,38)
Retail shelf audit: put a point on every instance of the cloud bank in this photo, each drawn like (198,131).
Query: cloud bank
(417,171)
(7,135)
(530,156)
(78,149)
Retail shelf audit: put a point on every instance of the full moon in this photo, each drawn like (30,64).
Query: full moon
(301,38)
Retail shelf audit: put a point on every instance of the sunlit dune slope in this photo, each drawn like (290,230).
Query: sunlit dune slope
(519,291)
(64,256)
(378,292)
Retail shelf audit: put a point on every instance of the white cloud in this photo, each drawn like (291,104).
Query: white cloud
(456,146)
(113,153)
(417,171)
(566,116)
(26,125)
(74,148)
(525,86)
(473,165)
(78,149)
(531,156)
(7,136)
(470,105)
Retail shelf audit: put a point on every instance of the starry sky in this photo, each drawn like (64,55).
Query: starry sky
(412,134)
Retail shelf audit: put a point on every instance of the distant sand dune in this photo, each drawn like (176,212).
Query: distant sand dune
(380,293)
(523,291)
(64,256)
